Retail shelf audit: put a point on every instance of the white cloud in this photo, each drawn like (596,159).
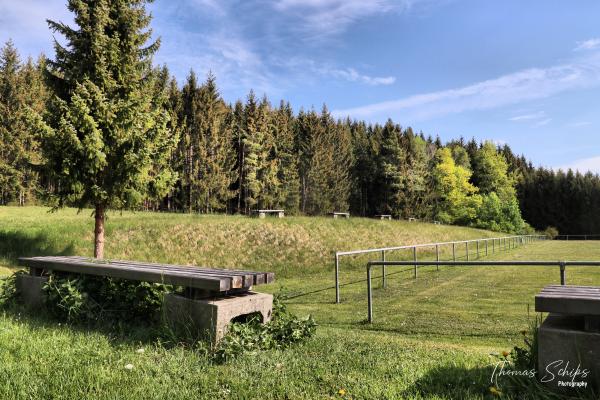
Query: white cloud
(578,124)
(589,44)
(584,165)
(529,117)
(518,87)
(350,74)
(25,22)
(543,122)
(330,17)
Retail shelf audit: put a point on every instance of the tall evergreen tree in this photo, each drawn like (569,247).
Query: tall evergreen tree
(392,170)
(214,173)
(21,91)
(288,196)
(106,138)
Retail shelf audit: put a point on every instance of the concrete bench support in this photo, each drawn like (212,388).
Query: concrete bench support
(569,339)
(29,288)
(565,348)
(211,317)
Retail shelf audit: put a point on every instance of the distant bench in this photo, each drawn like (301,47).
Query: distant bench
(263,213)
(383,216)
(336,215)
(212,297)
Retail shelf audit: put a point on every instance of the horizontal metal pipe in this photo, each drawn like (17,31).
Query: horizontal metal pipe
(346,253)
(492,263)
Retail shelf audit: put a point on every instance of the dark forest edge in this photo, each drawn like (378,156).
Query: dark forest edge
(233,158)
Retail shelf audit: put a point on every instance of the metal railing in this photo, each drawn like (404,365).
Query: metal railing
(578,237)
(503,243)
(561,264)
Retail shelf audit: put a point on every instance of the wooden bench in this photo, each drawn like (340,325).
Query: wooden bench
(336,215)
(582,301)
(206,290)
(383,216)
(569,337)
(263,213)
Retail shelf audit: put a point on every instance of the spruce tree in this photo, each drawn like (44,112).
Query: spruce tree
(268,161)
(288,195)
(106,140)
(252,141)
(391,170)
(21,92)
(214,173)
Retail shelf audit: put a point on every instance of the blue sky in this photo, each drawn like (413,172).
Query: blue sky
(522,72)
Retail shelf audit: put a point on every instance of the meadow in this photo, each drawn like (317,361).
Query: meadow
(432,337)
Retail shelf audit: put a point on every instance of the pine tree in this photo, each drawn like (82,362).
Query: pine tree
(251,140)
(417,177)
(214,173)
(190,141)
(285,144)
(175,198)
(21,92)
(392,162)
(106,139)
(268,162)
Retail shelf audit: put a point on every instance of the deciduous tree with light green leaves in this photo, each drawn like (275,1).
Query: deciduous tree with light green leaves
(500,207)
(106,137)
(457,199)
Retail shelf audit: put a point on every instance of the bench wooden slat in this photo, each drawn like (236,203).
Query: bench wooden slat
(193,280)
(247,277)
(570,300)
(258,277)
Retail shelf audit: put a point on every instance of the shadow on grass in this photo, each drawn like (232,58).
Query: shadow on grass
(375,279)
(17,244)
(455,382)
(135,332)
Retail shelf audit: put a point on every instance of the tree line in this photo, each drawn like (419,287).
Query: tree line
(87,130)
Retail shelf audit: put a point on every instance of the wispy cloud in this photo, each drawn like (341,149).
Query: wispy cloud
(327,17)
(590,44)
(25,22)
(350,74)
(543,122)
(584,165)
(242,56)
(529,117)
(578,124)
(518,87)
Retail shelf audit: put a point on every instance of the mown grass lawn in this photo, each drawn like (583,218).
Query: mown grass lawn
(432,337)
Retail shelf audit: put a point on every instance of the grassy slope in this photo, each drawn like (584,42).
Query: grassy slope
(431,337)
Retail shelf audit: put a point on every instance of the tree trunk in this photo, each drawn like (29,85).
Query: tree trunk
(99,232)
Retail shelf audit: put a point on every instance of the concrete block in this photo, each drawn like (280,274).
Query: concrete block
(211,317)
(29,288)
(568,356)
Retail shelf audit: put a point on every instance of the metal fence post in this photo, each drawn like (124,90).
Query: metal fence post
(467,249)
(437,255)
(383,282)
(493,245)
(415,258)
(562,274)
(486,247)
(453,251)
(337,278)
(477,245)
(369,295)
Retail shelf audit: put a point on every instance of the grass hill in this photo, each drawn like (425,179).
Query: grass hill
(431,339)
(285,246)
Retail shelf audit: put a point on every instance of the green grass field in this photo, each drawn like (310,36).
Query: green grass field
(431,339)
